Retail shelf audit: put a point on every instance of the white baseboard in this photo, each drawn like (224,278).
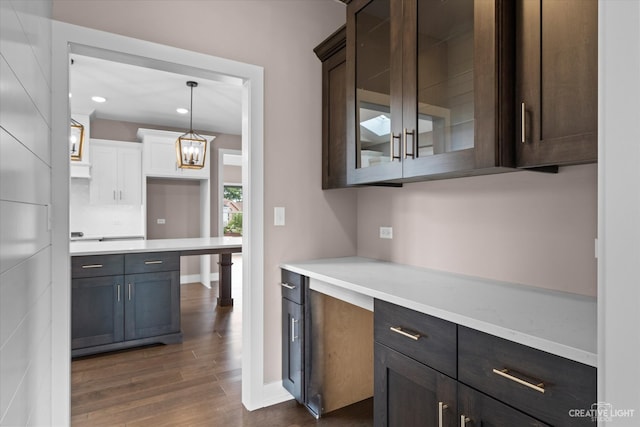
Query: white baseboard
(195,278)
(274,393)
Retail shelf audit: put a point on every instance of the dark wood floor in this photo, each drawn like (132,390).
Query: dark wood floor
(196,383)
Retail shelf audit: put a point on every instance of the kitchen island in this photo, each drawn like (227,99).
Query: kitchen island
(224,246)
(127,293)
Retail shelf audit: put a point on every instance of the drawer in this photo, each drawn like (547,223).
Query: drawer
(502,369)
(149,262)
(425,338)
(293,286)
(96,266)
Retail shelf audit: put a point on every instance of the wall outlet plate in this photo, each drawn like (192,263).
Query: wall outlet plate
(386,232)
(160,221)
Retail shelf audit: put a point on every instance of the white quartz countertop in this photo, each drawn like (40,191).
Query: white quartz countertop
(232,244)
(556,322)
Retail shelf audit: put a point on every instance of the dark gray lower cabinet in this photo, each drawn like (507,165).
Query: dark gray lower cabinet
(97,311)
(293,348)
(112,309)
(477,409)
(408,393)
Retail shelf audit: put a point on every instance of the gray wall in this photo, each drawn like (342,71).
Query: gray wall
(25,197)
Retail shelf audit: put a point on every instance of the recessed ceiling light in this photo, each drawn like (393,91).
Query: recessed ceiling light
(99,99)
(182,110)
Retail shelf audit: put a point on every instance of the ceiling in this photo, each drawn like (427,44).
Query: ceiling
(150,96)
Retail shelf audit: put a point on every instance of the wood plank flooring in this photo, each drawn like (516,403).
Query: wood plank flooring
(195,383)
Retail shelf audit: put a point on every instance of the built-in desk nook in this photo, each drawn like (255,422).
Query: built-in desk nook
(447,349)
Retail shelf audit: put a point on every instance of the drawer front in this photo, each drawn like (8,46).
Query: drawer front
(292,285)
(96,266)
(541,384)
(150,262)
(425,338)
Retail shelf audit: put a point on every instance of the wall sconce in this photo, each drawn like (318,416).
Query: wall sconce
(191,148)
(76,140)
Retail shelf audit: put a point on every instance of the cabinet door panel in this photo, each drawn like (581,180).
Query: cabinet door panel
(130,176)
(482,411)
(408,393)
(104,175)
(292,348)
(556,81)
(97,311)
(152,304)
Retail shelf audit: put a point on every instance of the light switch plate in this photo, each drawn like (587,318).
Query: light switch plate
(386,232)
(160,221)
(278,216)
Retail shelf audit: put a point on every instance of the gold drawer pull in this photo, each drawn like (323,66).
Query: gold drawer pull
(398,330)
(288,286)
(153,262)
(92,266)
(505,373)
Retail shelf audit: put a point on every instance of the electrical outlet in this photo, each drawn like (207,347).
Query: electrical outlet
(160,221)
(386,232)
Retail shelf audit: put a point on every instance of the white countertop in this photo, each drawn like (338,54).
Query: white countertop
(556,322)
(156,245)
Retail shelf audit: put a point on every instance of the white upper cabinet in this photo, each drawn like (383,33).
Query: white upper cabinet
(160,159)
(116,173)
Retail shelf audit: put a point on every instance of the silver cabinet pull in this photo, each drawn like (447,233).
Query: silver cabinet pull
(441,407)
(120,194)
(398,330)
(293,329)
(92,266)
(153,262)
(539,387)
(464,420)
(523,133)
(288,286)
(405,132)
(118,292)
(129,291)
(392,153)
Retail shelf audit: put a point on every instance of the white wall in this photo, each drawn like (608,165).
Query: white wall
(25,196)
(619,209)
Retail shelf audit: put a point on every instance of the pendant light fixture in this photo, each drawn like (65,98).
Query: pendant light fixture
(76,139)
(191,148)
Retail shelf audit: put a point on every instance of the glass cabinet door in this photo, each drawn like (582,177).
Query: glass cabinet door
(438,117)
(378,118)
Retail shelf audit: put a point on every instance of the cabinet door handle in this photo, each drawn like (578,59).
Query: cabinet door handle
(118,292)
(539,387)
(392,153)
(441,407)
(120,194)
(92,266)
(288,286)
(129,291)
(153,262)
(523,133)
(398,330)
(405,132)
(464,420)
(293,329)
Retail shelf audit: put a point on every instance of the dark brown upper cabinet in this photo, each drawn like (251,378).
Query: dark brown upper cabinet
(556,82)
(429,89)
(333,54)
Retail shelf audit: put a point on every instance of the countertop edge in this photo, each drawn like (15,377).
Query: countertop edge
(573,353)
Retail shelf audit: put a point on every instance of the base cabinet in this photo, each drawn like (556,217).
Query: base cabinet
(116,305)
(408,393)
(476,409)
(292,349)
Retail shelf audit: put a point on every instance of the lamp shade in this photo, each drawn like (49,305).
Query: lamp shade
(191,151)
(76,140)
(191,148)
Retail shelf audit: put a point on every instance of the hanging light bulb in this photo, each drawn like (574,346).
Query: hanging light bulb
(190,145)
